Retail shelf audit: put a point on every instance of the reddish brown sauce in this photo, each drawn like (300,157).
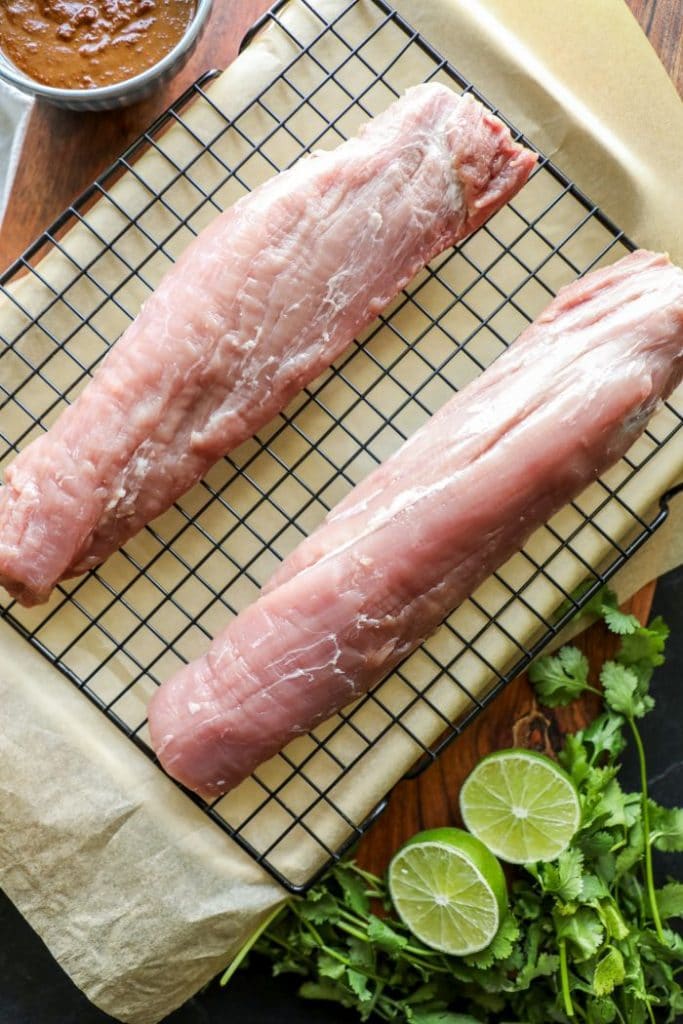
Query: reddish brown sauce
(79,45)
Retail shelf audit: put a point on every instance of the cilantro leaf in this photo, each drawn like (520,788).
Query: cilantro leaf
(645,647)
(633,850)
(666,827)
(329,966)
(609,972)
(353,887)
(622,691)
(674,942)
(544,966)
(320,908)
(500,948)
(605,734)
(583,930)
(670,900)
(358,984)
(604,597)
(619,622)
(605,605)
(574,757)
(561,678)
(425,994)
(610,808)
(361,954)
(596,844)
(603,802)
(613,920)
(325,990)
(593,888)
(564,877)
(601,1011)
(381,934)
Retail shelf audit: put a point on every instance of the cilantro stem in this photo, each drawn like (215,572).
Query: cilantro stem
(350,930)
(360,922)
(564,979)
(414,956)
(322,945)
(251,941)
(649,874)
(373,880)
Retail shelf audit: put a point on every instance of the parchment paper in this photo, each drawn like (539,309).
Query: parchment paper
(136,893)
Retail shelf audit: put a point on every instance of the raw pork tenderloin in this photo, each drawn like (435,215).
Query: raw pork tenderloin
(418,536)
(269,295)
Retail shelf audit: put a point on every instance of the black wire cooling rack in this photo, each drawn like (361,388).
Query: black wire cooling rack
(122,629)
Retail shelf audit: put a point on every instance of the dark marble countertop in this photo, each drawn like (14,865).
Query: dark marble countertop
(34,989)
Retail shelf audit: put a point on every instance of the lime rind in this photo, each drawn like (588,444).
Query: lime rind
(521,805)
(449,890)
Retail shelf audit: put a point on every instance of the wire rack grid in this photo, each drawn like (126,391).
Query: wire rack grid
(122,629)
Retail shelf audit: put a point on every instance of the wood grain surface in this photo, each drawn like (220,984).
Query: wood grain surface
(662,22)
(64,152)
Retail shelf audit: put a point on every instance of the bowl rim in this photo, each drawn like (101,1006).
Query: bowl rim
(25,83)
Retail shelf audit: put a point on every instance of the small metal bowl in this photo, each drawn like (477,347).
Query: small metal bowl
(120,94)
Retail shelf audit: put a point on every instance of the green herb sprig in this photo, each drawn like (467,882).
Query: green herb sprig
(587,937)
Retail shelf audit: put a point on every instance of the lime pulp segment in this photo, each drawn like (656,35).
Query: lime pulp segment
(450,898)
(521,805)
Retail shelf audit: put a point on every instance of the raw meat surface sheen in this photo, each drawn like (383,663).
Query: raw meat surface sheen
(419,535)
(269,295)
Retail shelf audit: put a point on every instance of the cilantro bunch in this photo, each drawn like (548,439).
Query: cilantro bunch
(587,937)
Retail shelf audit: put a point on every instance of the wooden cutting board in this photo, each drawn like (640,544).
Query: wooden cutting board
(513,719)
(64,152)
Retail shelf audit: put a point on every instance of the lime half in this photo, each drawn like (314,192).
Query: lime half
(521,805)
(449,890)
